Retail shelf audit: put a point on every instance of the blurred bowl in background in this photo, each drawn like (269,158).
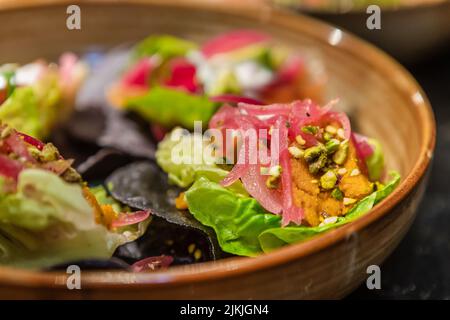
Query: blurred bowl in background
(410,29)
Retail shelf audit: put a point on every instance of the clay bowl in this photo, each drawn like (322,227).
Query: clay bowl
(410,31)
(386,103)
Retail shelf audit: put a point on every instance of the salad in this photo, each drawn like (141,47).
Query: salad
(309,173)
(48,215)
(35,96)
(172,152)
(170,81)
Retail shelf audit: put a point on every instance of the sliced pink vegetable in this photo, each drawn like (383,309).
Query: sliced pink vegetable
(32,141)
(239,169)
(342,118)
(139,74)
(364,149)
(232,41)
(224,117)
(10,168)
(182,75)
(255,184)
(126,219)
(291,213)
(152,264)
(235,99)
(261,110)
(243,161)
(16,145)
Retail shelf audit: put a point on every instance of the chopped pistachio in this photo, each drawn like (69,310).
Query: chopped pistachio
(275,171)
(378,186)
(34,152)
(348,201)
(71,175)
(310,129)
(297,153)
(329,220)
(342,171)
(337,194)
(331,129)
(49,153)
(319,164)
(191,248)
(272,182)
(340,133)
(323,215)
(313,153)
(328,180)
(300,140)
(355,172)
(340,155)
(332,146)
(327,136)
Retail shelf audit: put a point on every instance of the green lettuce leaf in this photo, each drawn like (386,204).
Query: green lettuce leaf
(237,221)
(21,112)
(375,163)
(176,158)
(165,46)
(274,238)
(33,109)
(49,100)
(48,221)
(244,228)
(170,107)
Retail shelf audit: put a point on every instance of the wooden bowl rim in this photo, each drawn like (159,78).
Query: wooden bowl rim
(231,267)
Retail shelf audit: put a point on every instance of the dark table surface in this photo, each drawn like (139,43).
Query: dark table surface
(420,267)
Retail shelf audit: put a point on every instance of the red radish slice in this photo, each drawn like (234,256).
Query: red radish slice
(232,41)
(182,75)
(139,74)
(126,219)
(152,264)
